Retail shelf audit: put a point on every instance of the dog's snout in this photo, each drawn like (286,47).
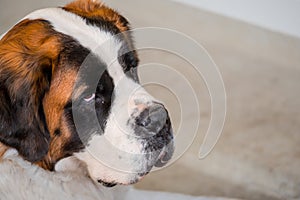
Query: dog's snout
(153,118)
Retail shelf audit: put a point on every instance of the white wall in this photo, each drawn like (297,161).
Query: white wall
(278,15)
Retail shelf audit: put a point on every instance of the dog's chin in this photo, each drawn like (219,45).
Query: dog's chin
(119,178)
(115,177)
(127,161)
(109,176)
(111,183)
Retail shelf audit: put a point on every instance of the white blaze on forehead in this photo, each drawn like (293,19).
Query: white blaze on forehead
(100,42)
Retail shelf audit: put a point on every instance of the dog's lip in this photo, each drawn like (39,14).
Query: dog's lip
(167,151)
(106,184)
(165,155)
(162,159)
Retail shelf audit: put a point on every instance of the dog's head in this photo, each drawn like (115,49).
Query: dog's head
(51,108)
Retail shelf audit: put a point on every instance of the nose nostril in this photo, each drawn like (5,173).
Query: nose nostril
(146,122)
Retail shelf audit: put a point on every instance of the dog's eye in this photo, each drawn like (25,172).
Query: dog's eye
(100,89)
(89,98)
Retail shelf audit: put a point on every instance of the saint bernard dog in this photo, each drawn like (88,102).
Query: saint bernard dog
(43,89)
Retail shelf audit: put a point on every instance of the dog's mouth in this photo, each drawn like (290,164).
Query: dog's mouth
(106,184)
(164,156)
(162,160)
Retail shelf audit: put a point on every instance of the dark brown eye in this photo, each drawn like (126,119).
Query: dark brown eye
(89,98)
(100,89)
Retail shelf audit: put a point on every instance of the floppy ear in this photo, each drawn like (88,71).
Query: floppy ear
(27,58)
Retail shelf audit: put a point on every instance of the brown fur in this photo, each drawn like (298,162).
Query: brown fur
(31,41)
(92,9)
(27,53)
(54,103)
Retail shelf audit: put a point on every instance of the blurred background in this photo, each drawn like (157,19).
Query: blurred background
(256,46)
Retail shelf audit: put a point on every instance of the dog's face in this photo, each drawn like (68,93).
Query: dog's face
(67,92)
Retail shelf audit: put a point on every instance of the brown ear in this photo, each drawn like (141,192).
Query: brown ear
(27,56)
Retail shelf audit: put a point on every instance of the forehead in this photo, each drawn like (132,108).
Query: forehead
(101,42)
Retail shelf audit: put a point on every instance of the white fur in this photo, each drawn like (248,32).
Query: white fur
(74,26)
(21,180)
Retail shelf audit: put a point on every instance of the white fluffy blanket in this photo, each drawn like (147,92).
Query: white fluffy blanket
(20,179)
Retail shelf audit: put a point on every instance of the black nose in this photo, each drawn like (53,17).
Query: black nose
(153,118)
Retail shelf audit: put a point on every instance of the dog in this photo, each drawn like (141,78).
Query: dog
(54,114)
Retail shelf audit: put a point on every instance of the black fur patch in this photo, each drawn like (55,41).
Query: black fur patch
(91,116)
(127,54)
